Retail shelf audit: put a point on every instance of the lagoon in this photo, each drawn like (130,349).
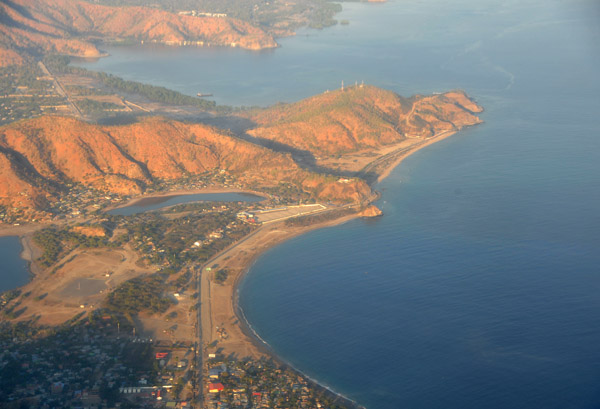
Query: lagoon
(160,202)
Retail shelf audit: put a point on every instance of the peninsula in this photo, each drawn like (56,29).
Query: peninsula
(149,299)
(172,274)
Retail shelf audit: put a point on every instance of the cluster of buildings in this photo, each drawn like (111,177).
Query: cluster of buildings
(249,383)
(24,101)
(248,217)
(197,13)
(83,367)
(80,200)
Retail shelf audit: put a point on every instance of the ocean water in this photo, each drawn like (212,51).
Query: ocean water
(480,285)
(13,269)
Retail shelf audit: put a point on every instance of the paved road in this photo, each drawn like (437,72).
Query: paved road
(59,88)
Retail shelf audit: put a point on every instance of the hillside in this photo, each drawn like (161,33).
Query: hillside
(362,117)
(33,27)
(39,157)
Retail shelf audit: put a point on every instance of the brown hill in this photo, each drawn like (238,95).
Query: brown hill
(39,156)
(361,118)
(67,26)
(371,211)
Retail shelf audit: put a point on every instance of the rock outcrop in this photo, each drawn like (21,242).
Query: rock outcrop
(371,211)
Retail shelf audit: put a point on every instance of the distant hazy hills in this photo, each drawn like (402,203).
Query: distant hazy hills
(33,27)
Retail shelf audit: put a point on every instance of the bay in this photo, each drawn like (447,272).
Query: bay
(479,287)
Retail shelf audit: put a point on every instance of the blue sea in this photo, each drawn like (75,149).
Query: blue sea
(480,285)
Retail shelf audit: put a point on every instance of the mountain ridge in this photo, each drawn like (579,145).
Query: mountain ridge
(38,157)
(361,117)
(33,27)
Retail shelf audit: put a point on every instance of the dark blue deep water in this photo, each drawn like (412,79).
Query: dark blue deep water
(480,286)
(13,269)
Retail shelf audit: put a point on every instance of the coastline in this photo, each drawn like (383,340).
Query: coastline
(262,345)
(163,196)
(246,338)
(244,341)
(398,160)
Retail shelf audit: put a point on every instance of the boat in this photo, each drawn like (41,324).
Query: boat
(200,94)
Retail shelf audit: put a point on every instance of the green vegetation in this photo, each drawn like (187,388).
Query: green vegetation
(84,91)
(24,93)
(8,296)
(170,242)
(323,15)
(265,13)
(54,242)
(221,276)
(91,106)
(60,64)
(153,93)
(140,294)
(50,241)
(289,193)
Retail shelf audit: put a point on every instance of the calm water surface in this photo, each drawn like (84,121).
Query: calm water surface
(155,203)
(13,269)
(480,286)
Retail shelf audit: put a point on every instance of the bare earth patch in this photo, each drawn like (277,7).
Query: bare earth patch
(80,283)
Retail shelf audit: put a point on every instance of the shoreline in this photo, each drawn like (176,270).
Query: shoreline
(247,342)
(262,345)
(258,347)
(164,196)
(249,335)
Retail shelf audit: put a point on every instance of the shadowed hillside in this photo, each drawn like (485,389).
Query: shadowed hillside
(361,117)
(39,157)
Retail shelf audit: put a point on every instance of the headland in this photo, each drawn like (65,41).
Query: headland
(174,274)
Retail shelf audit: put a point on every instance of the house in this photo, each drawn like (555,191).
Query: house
(214,373)
(215,387)
(182,363)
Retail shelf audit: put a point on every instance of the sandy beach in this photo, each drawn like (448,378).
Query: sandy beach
(223,326)
(221,319)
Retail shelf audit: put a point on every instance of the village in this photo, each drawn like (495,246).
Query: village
(97,362)
(262,383)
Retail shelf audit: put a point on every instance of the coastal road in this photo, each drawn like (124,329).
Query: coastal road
(371,168)
(205,306)
(59,88)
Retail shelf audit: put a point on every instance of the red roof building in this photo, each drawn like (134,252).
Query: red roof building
(215,387)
